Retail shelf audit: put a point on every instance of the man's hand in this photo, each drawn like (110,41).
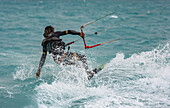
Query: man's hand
(38,73)
(82,27)
(82,34)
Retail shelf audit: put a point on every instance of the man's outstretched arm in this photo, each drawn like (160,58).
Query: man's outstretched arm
(42,61)
(72,32)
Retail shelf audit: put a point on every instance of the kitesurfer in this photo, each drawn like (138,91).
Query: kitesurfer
(53,44)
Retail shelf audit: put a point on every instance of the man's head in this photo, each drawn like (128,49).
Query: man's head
(48,29)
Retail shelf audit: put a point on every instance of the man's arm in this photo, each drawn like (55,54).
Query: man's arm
(75,33)
(42,61)
(60,33)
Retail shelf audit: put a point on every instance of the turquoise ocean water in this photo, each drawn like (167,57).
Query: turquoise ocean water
(137,67)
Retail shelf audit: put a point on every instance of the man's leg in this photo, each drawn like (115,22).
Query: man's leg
(81,58)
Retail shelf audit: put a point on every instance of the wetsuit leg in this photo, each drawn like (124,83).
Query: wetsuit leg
(79,57)
(83,59)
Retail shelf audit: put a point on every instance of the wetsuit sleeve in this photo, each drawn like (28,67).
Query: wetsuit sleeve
(72,32)
(60,33)
(43,57)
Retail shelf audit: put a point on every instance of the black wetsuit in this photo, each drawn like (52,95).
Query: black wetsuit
(55,46)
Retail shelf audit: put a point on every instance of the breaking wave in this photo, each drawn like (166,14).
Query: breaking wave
(140,80)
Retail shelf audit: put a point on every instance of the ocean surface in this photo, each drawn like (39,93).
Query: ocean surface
(137,67)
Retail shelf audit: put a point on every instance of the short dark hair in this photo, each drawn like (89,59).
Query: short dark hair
(48,29)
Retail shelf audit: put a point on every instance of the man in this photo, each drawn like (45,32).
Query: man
(55,46)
